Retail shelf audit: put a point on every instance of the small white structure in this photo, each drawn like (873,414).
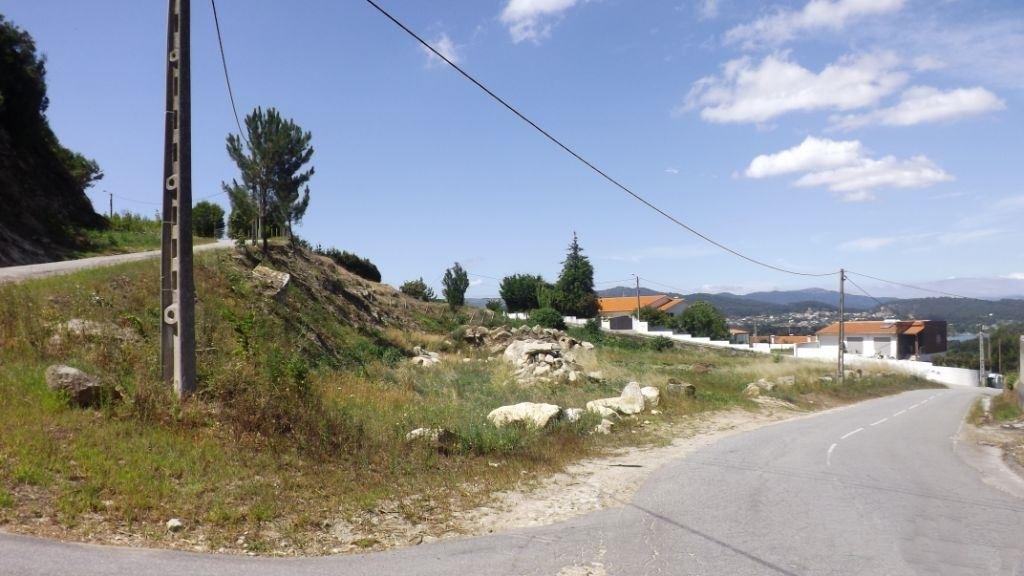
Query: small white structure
(886,339)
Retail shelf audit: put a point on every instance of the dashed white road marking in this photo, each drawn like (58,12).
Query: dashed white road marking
(848,434)
(828,458)
(898,413)
(879,422)
(912,407)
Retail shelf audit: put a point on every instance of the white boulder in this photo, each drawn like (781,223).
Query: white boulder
(652,396)
(531,413)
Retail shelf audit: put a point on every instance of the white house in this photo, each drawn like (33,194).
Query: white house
(898,339)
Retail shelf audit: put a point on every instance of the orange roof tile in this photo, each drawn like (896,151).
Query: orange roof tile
(628,303)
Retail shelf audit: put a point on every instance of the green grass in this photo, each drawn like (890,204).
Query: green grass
(302,408)
(128,232)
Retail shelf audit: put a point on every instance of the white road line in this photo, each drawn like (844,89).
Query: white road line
(879,422)
(912,407)
(828,458)
(898,413)
(848,434)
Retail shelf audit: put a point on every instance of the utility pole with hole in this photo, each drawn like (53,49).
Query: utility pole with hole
(637,297)
(111,194)
(842,327)
(177,288)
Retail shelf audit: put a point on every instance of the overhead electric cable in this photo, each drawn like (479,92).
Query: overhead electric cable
(227,77)
(586,162)
(126,199)
(866,293)
(911,286)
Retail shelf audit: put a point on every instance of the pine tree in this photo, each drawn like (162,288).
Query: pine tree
(574,291)
(456,282)
(271,161)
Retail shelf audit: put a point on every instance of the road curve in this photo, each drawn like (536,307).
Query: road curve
(30,271)
(878,488)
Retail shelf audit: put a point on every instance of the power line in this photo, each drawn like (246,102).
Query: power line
(866,293)
(583,160)
(227,77)
(126,199)
(911,286)
(677,290)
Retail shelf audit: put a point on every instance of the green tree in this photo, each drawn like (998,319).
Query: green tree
(272,163)
(574,291)
(418,289)
(703,319)
(494,305)
(655,317)
(455,282)
(519,291)
(207,220)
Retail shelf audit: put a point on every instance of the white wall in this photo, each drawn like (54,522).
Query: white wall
(943,374)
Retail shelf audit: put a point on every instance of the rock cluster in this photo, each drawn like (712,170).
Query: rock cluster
(93,329)
(536,353)
(754,389)
(270,281)
(425,358)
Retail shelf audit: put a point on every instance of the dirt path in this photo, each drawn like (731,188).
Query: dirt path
(30,271)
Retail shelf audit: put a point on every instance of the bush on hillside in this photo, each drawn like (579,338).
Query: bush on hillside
(548,318)
(207,220)
(418,289)
(655,317)
(361,267)
(519,291)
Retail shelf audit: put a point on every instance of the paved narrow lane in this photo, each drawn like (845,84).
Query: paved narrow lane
(875,489)
(29,271)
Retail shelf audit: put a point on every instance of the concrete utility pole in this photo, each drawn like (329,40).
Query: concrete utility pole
(981,360)
(111,204)
(842,327)
(177,294)
(637,297)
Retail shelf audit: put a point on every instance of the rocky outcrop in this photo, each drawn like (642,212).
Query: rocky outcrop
(425,358)
(684,388)
(81,389)
(270,281)
(652,396)
(77,327)
(528,413)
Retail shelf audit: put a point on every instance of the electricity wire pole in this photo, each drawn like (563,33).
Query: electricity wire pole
(111,203)
(842,327)
(637,297)
(982,380)
(177,289)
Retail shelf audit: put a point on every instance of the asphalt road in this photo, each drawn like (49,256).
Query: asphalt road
(879,488)
(29,271)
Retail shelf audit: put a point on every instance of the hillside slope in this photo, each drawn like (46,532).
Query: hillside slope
(42,184)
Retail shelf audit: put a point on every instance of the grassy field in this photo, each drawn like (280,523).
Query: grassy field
(128,232)
(295,440)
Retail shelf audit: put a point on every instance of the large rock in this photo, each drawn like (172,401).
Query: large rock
(684,388)
(82,390)
(522,351)
(752,390)
(652,396)
(94,329)
(529,413)
(271,281)
(631,401)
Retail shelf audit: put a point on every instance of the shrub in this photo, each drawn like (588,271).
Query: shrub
(418,289)
(519,291)
(655,317)
(660,344)
(548,318)
(703,319)
(208,220)
(494,305)
(361,267)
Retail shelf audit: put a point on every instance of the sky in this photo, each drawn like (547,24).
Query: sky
(878,135)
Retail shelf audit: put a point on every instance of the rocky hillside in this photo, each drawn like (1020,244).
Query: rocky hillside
(42,183)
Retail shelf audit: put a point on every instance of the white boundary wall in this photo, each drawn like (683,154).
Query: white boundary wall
(942,374)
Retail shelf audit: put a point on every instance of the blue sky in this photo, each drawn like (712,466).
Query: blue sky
(880,135)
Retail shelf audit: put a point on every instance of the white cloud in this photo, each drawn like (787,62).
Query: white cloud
(811,154)
(927,63)
(784,25)
(922,104)
(672,170)
(708,8)
(446,47)
(1015,276)
(532,19)
(856,182)
(875,243)
(845,168)
(747,91)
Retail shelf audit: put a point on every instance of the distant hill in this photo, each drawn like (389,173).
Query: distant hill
(820,295)
(731,305)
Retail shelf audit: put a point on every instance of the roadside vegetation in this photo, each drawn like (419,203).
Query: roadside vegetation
(296,439)
(129,232)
